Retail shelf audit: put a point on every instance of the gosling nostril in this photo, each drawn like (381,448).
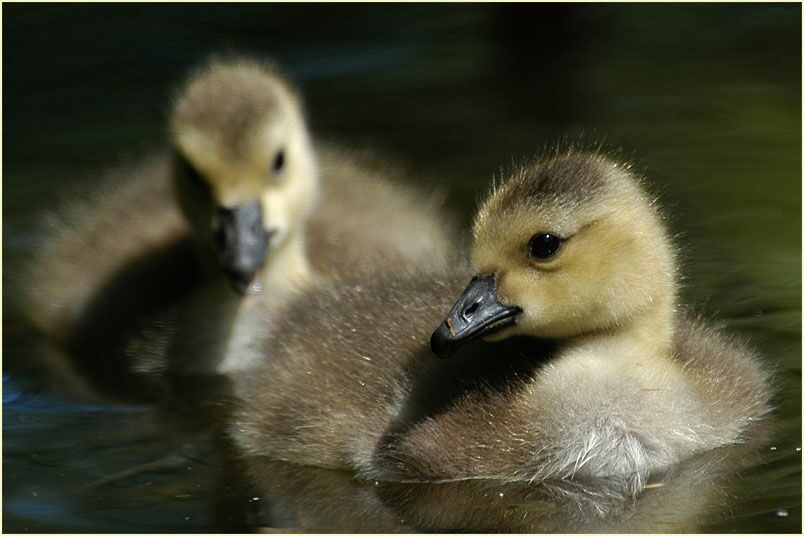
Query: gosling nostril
(469,311)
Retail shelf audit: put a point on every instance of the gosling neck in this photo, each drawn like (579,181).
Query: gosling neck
(648,334)
(286,268)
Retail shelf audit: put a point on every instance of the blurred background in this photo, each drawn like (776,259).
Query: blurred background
(705,99)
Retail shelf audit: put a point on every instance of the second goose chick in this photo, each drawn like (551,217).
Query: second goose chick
(597,374)
(254,186)
(266,210)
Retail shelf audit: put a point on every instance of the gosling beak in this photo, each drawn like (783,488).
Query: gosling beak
(241,242)
(477,314)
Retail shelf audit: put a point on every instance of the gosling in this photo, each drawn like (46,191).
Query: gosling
(142,270)
(570,355)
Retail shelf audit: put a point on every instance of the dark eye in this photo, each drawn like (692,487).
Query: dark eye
(279,162)
(544,245)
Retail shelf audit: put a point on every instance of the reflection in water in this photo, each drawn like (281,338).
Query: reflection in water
(86,466)
(684,498)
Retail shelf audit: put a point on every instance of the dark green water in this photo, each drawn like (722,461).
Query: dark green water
(705,98)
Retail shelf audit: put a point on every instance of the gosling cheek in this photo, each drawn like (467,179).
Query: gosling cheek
(534,316)
(516,287)
(278,236)
(277,224)
(504,290)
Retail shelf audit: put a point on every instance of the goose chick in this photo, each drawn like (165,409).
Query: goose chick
(131,277)
(275,216)
(251,183)
(571,358)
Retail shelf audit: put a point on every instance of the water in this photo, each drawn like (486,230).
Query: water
(705,99)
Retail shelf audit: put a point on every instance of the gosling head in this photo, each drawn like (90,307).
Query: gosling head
(244,166)
(565,246)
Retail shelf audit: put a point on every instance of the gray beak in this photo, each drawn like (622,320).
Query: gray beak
(477,313)
(241,242)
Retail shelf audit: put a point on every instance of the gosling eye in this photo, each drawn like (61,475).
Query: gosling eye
(544,245)
(279,162)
